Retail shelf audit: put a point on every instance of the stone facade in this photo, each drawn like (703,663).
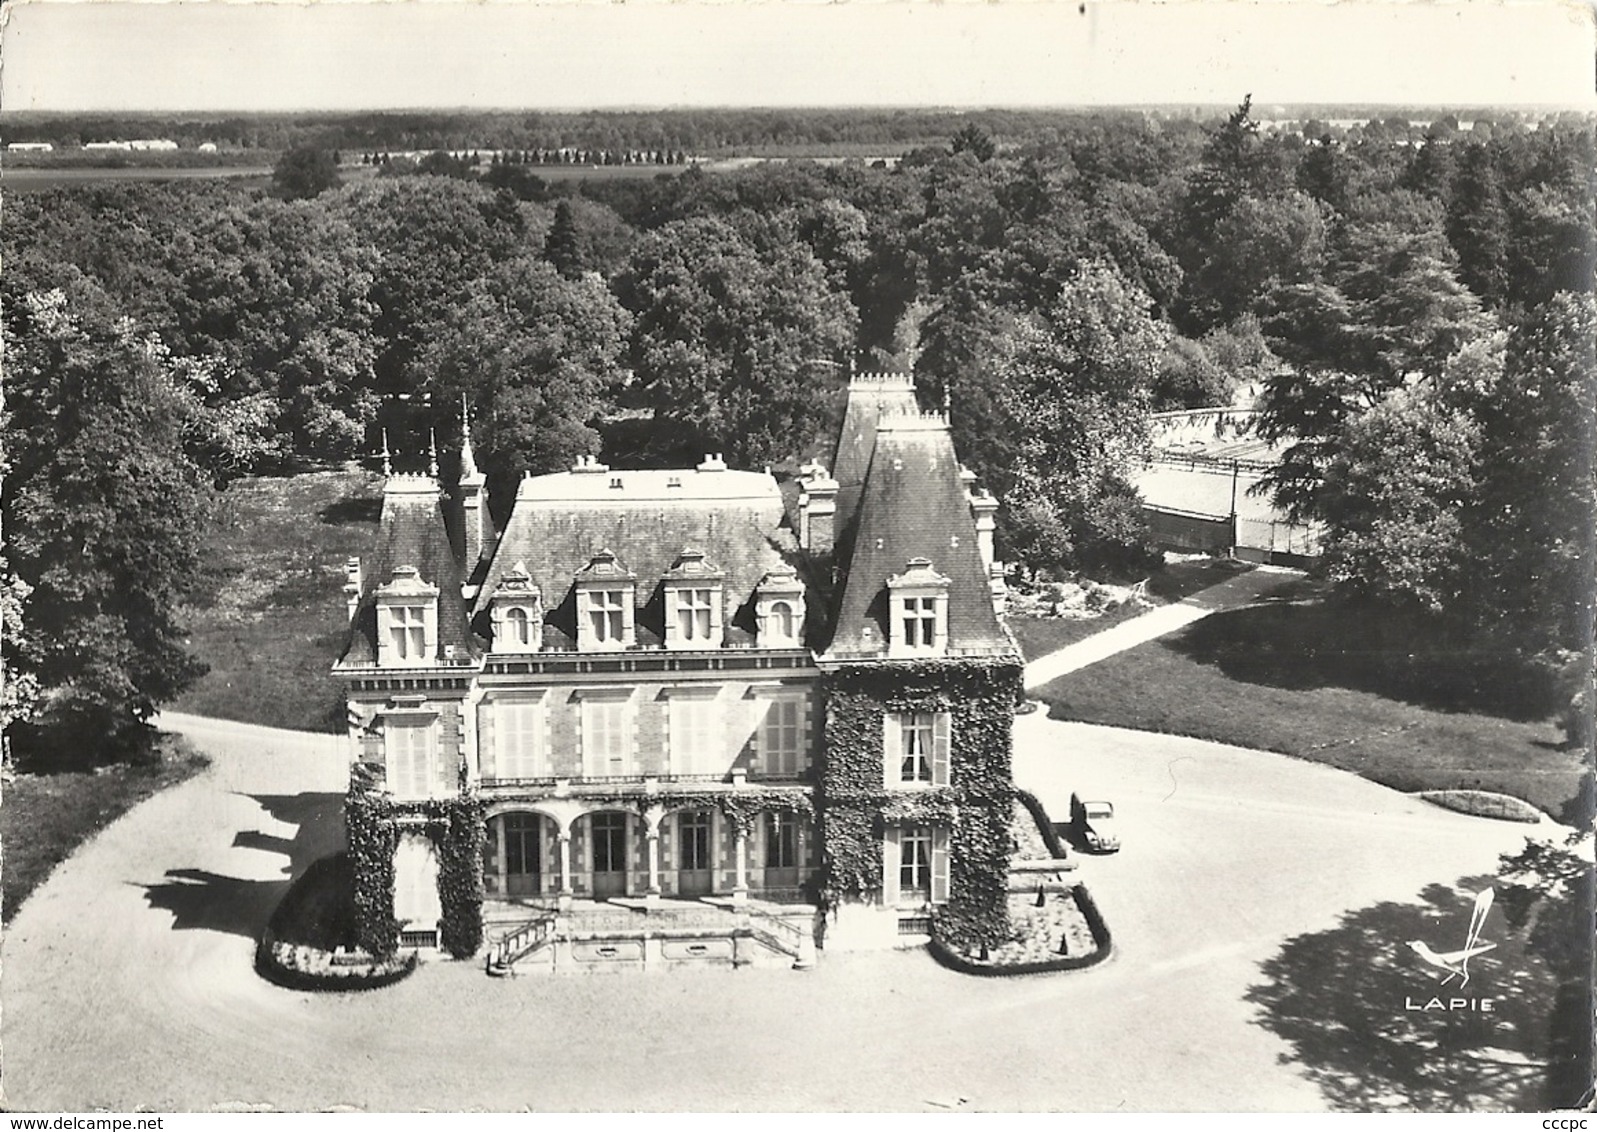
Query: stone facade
(628,675)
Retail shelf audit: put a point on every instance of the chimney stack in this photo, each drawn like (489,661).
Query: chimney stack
(352,582)
(817,508)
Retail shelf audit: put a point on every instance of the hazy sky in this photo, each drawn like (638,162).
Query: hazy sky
(339,54)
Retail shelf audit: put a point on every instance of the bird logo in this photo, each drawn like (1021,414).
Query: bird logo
(1456,963)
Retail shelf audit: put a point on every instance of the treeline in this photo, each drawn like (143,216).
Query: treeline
(1416,320)
(695,130)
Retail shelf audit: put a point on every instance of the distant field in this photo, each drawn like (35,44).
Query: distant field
(37,180)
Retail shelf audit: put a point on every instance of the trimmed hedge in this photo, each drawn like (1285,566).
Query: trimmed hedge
(1045,825)
(1102,940)
(979,696)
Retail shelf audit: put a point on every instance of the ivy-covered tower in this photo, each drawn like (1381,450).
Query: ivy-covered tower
(919,681)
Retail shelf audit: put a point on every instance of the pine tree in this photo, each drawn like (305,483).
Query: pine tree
(563,247)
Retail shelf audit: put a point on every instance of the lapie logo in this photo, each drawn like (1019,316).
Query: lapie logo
(1455,964)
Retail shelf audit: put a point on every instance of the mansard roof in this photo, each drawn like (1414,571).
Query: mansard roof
(410,532)
(913,506)
(870,396)
(650,521)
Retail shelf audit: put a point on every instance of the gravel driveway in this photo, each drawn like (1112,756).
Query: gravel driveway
(127,976)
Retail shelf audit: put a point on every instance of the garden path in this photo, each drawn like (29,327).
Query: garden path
(1233,593)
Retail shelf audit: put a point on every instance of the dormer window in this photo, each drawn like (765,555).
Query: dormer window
(605,605)
(407,620)
(518,623)
(407,632)
(917,611)
(605,616)
(920,622)
(693,617)
(779,610)
(516,612)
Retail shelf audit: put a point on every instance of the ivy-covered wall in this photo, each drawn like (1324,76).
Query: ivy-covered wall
(456,828)
(854,803)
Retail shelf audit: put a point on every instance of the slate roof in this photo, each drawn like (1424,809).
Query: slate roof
(913,505)
(870,395)
(561,521)
(410,532)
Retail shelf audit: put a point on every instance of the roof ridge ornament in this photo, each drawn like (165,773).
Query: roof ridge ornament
(882,381)
(388,460)
(468,460)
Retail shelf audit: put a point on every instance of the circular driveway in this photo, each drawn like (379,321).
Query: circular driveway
(128,983)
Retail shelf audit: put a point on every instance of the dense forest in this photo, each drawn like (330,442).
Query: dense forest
(1412,306)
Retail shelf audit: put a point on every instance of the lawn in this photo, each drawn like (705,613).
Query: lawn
(1271,678)
(46,816)
(267,614)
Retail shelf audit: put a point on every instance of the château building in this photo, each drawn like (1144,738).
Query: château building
(657,697)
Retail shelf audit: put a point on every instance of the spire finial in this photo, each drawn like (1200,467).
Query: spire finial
(432,452)
(388,463)
(948,398)
(468,462)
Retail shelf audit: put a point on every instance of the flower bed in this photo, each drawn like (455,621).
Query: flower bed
(1483,804)
(299,966)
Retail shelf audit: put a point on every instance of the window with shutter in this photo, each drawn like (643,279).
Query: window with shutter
(695,736)
(520,740)
(409,754)
(606,738)
(782,745)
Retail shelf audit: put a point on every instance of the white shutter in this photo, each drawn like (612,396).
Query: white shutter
(891,861)
(940,736)
(939,865)
(892,749)
(445,764)
(485,741)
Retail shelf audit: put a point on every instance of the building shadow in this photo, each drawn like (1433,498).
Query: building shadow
(205,900)
(1375,1028)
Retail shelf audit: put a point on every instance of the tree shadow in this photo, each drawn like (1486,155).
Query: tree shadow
(359,509)
(1350,1004)
(1302,646)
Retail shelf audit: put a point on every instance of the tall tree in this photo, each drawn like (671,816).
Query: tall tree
(1390,309)
(1075,393)
(563,246)
(538,355)
(304,172)
(104,511)
(736,348)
